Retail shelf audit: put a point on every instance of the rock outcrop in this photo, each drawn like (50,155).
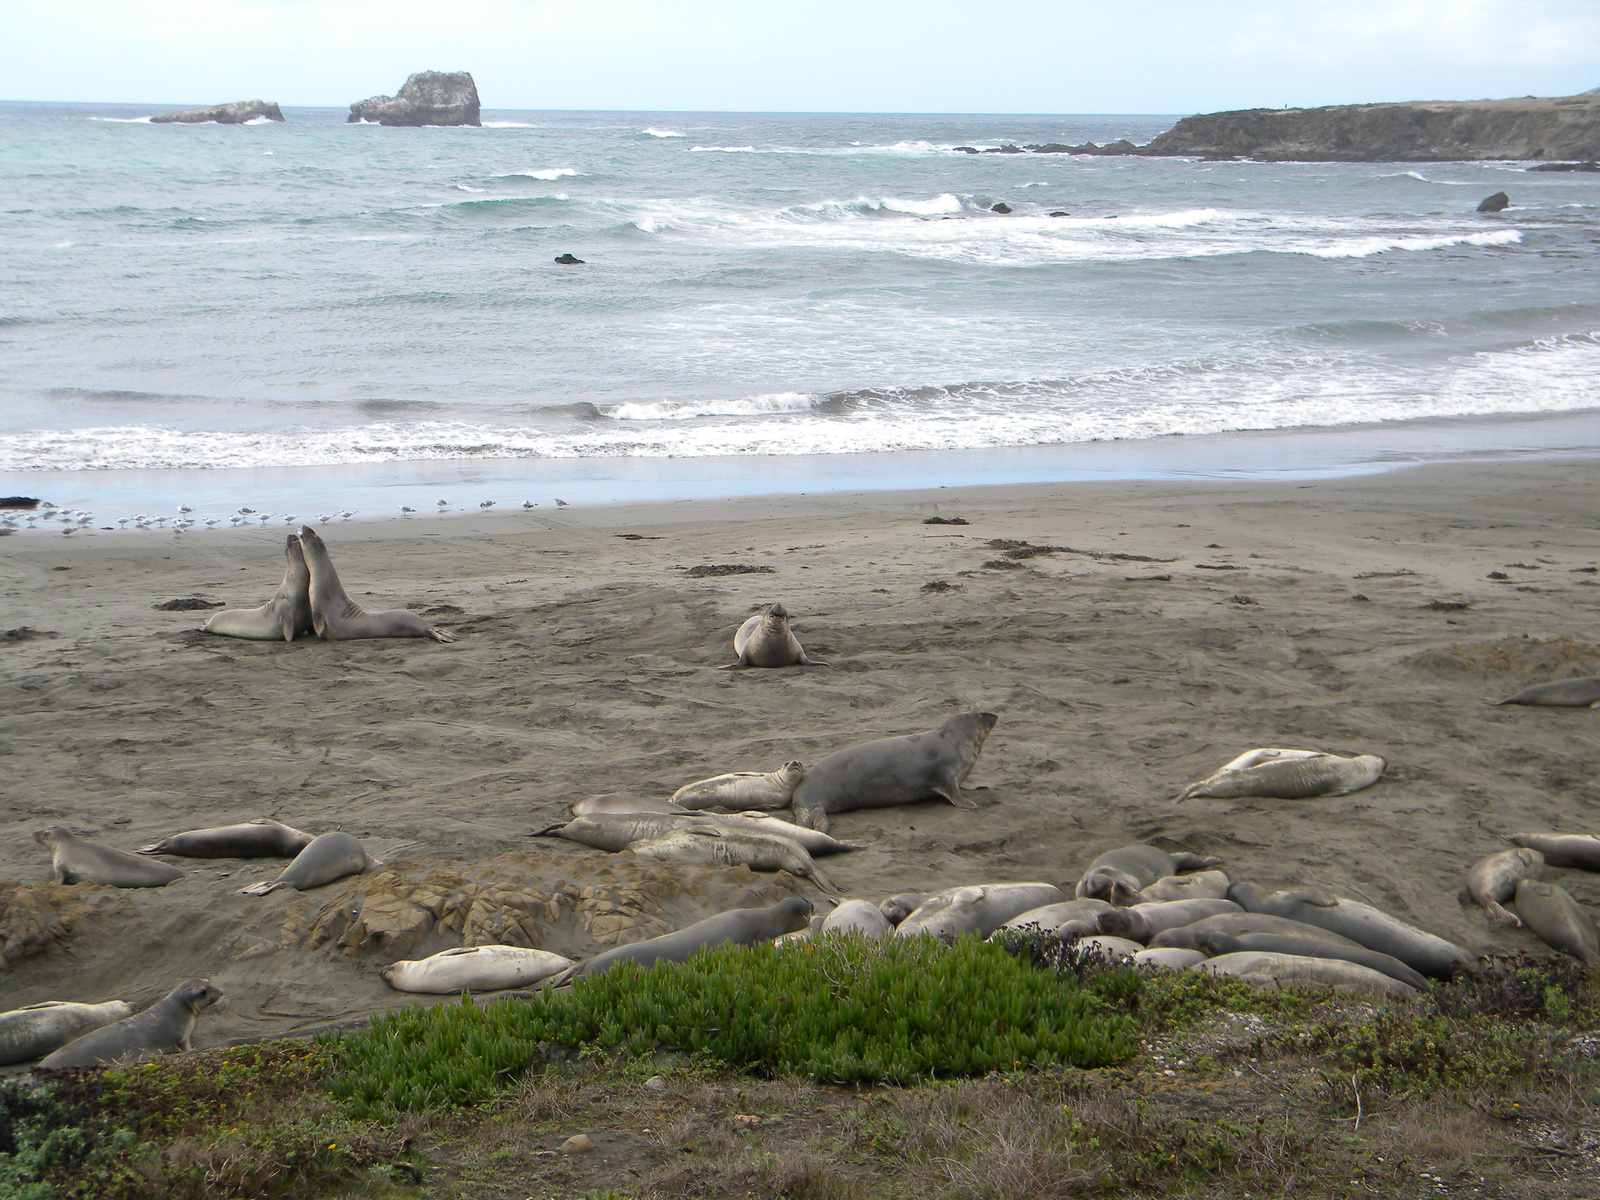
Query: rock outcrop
(237,113)
(34,917)
(1498,202)
(428,98)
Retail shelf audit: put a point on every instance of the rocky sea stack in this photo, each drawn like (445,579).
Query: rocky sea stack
(238,113)
(428,98)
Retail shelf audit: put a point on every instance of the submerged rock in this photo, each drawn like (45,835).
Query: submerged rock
(428,98)
(237,113)
(569,260)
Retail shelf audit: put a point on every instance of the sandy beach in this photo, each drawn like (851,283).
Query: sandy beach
(1174,626)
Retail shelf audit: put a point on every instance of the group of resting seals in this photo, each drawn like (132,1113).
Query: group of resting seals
(1545,908)
(98,1035)
(312,600)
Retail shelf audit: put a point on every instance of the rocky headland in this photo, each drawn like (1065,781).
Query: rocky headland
(237,113)
(428,98)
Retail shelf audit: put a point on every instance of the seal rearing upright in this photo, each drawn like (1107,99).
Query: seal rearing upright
(335,616)
(765,640)
(287,615)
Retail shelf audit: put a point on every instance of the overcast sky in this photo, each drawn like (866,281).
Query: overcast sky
(1021,56)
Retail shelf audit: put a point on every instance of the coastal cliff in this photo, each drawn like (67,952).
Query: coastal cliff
(237,113)
(428,98)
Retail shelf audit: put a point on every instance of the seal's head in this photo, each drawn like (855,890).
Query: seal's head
(52,835)
(1124,923)
(196,994)
(1212,942)
(794,913)
(777,614)
(1109,884)
(969,730)
(897,908)
(793,772)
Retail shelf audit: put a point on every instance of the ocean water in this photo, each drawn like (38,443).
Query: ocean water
(204,310)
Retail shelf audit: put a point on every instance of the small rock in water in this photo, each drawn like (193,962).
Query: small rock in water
(1002,208)
(569,260)
(1498,202)
(578,1143)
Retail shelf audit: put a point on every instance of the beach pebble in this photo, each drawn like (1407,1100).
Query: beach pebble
(656,1083)
(578,1143)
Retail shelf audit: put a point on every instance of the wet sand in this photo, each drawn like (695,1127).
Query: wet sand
(1182,624)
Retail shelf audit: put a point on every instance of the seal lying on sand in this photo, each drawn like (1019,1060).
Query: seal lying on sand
(337,617)
(1362,923)
(898,907)
(620,802)
(474,969)
(40,1028)
(725,846)
(78,861)
(1265,970)
(1307,773)
(1203,885)
(1564,693)
(1111,947)
(743,790)
(898,770)
(1555,916)
(1119,875)
(1143,921)
(976,910)
(287,615)
(1215,945)
(746,926)
(1240,923)
(1493,880)
(1170,958)
(765,640)
(1580,850)
(327,857)
(263,838)
(858,916)
(618,831)
(1063,919)
(163,1027)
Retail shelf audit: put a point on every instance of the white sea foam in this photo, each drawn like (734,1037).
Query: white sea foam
(1365,247)
(465,187)
(122,120)
(550,174)
(683,410)
(722,150)
(663,133)
(509,125)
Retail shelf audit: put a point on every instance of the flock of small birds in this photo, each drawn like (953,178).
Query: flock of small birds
(48,516)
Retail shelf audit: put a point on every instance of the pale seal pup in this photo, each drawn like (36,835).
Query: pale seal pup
(1264,970)
(743,790)
(1493,880)
(1064,918)
(262,838)
(1119,875)
(40,1028)
(900,906)
(1188,936)
(1376,930)
(1203,885)
(897,770)
(744,926)
(765,640)
(1555,916)
(1580,850)
(1215,945)
(78,861)
(327,857)
(287,615)
(1170,958)
(163,1027)
(617,831)
(618,802)
(474,969)
(976,910)
(1564,693)
(731,847)
(337,617)
(1141,922)
(858,916)
(1112,947)
(1291,778)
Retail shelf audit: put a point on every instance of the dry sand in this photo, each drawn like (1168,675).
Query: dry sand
(1271,614)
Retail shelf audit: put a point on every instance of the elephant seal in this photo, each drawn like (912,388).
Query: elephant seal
(1421,951)
(40,1028)
(1170,958)
(765,640)
(1284,778)
(1112,947)
(976,910)
(1580,850)
(163,1027)
(1564,693)
(78,861)
(1141,922)
(858,916)
(1065,918)
(725,846)
(1214,945)
(474,969)
(816,843)
(618,802)
(898,770)
(743,790)
(1203,885)
(337,617)
(327,857)
(1187,937)
(1493,880)
(1555,916)
(1119,875)
(618,831)
(1265,970)
(262,838)
(744,926)
(898,907)
(287,615)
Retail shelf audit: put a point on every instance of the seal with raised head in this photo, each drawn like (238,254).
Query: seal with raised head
(76,860)
(1580,850)
(287,615)
(857,916)
(976,910)
(327,857)
(1202,885)
(1493,880)
(1564,693)
(765,640)
(743,790)
(474,969)
(1215,945)
(744,926)
(1555,916)
(1282,777)
(162,1028)
(261,838)
(897,770)
(1262,969)
(1120,875)
(40,1028)
(1141,922)
(337,617)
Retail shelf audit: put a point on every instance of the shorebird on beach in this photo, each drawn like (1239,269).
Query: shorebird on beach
(407,509)
(486,505)
(247,511)
(185,509)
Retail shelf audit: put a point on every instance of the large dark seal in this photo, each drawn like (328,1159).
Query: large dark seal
(1565,693)
(1120,875)
(163,1027)
(337,617)
(327,857)
(263,838)
(746,926)
(899,770)
(287,615)
(765,640)
(78,861)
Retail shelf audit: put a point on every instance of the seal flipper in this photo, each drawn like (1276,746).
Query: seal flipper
(1184,861)
(953,794)
(259,889)
(821,879)
(810,662)
(1312,897)
(811,818)
(1499,915)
